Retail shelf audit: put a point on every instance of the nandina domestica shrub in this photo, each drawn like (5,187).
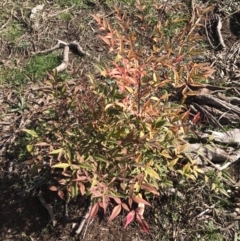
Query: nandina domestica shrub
(118,139)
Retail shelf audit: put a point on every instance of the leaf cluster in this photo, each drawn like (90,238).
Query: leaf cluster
(119,139)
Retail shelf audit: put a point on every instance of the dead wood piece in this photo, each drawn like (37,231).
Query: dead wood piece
(230,225)
(57,46)
(209,154)
(232,100)
(235,83)
(234,51)
(210,117)
(207,35)
(219,27)
(236,91)
(215,88)
(73,46)
(66,215)
(60,44)
(64,63)
(77,49)
(230,137)
(217,103)
(223,117)
(83,220)
(214,154)
(6,23)
(205,211)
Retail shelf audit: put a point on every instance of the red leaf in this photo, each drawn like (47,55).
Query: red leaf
(105,202)
(53,188)
(140,200)
(130,217)
(115,212)
(125,207)
(185,116)
(94,211)
(96,18)
(95,193)
(130,201)
(179,58)
(61,194)
(117,200)
(80,178)
(149,188)
(196,118)
(143,224)
(62,181)
(105,40)
(81,188)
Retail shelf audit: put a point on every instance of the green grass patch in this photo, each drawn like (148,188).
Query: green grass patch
(14,32)
(34,69)
(66,16)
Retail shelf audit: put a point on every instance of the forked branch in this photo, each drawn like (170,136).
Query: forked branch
(73,46)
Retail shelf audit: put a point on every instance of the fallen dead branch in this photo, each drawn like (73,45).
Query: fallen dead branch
(215,18)
(73,46)
(231,137)
(232,100)
(219,27)
(211,119)
(212,155)
(206,210)
(217,103)
(221,152)
(207,35)
(64,63)
(230,226)
(83,220)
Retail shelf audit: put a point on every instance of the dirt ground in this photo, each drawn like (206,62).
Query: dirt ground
(23,217)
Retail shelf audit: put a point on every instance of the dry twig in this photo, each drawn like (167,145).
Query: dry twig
(48,207)
(83,220)
(219,27)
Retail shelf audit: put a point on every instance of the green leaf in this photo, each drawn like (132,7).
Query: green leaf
(108,106)
(213,186)
(130,90)
(30,132)
(57,151)
(160,123)
(152,173)
(223,191)
(165,154)
(172,163)
(154,98)
(100,158)
(74,190)
(29,148)
(61,165)
(85,166)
